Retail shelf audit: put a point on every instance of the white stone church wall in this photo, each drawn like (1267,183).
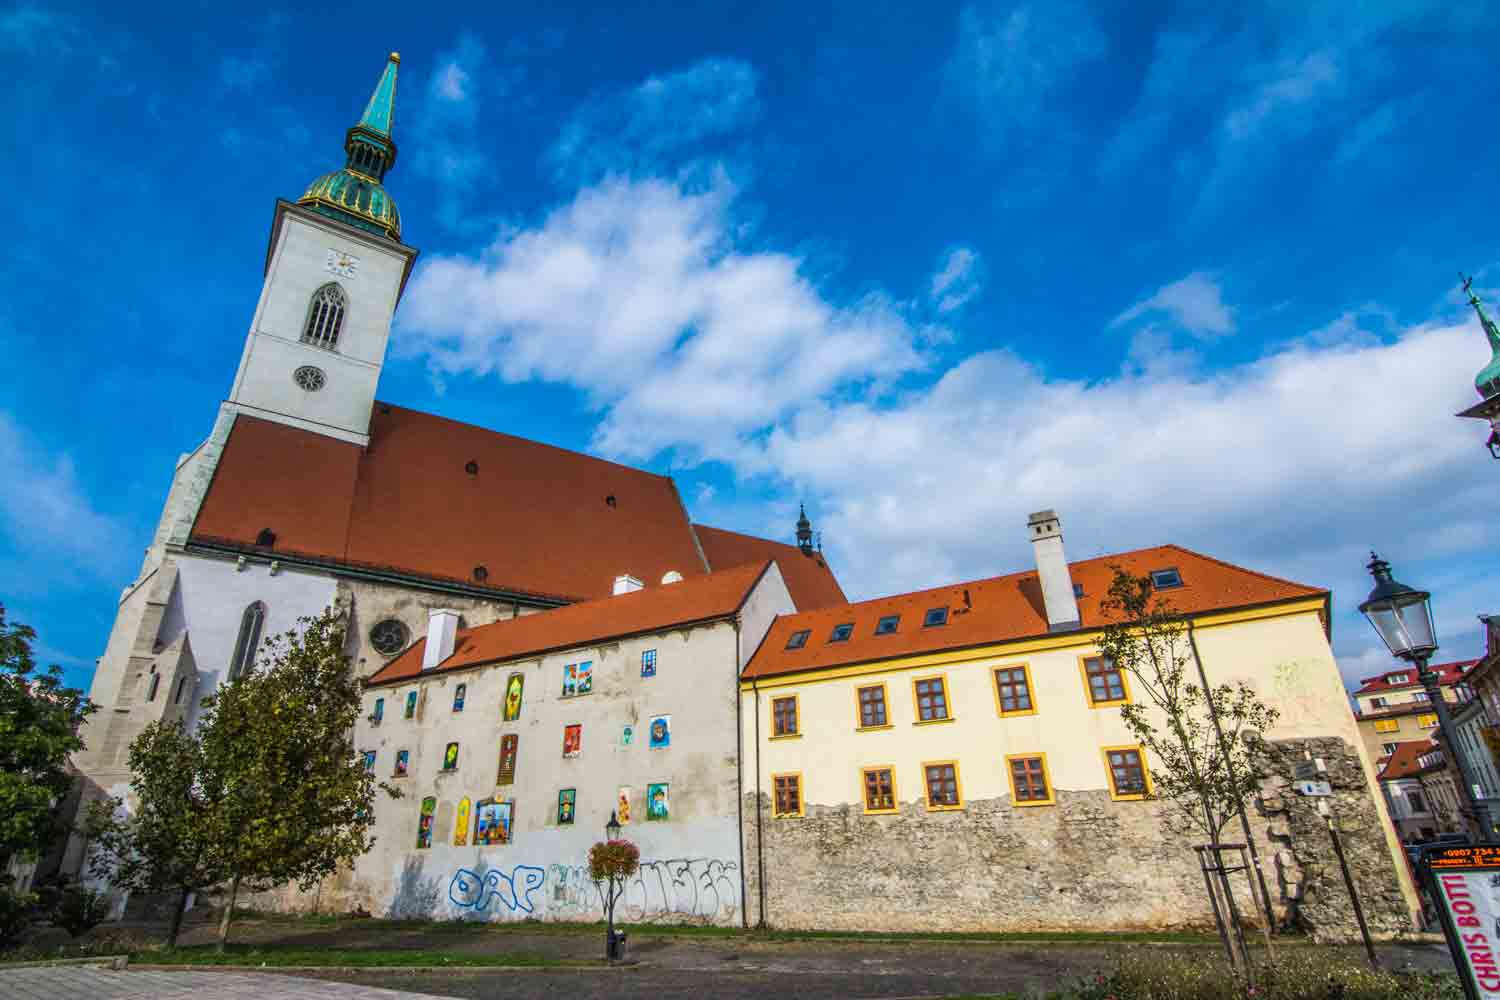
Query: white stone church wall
(210,601)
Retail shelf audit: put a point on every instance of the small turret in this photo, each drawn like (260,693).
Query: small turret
(1487,382)
(804,531)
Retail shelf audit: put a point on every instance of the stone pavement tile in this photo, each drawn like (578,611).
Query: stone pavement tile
(106,984)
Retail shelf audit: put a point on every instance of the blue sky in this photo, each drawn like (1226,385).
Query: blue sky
(1184,275)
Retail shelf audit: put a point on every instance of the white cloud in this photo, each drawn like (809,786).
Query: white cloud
(451,83)
(636,293)
(1195,303)
(1010,59)
(1295,82)
(46,515)
(956,280)
(666,118)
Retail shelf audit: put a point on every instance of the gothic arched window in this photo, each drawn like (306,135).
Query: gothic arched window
(325,317)
(249,638)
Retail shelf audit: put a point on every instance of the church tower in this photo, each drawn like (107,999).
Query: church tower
(335,270)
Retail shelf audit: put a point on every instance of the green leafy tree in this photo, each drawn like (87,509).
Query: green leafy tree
(39,723)
(269,789)
(165,843)
(1207,778)
(301,802)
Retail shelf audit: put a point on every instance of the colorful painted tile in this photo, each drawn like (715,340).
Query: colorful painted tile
(572,740)
(513,690)
(657,806)
(567,799)
(660,734)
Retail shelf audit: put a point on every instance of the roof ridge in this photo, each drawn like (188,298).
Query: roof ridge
(1244,569)
(524,440)
(744,534)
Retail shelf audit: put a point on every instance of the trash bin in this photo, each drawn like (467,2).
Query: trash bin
(617,947)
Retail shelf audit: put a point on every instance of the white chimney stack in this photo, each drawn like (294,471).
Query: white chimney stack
(1052,568)
(625,584)
(442,633)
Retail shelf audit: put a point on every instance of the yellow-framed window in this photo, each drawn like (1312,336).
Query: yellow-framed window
(879,785)
(1013,691)
(1103,681)
(943,788)
(1128,777)
(930,695)
(785,717)
(1387,725)
(786,799)
(1030,784)
(1427,720)
(872,706)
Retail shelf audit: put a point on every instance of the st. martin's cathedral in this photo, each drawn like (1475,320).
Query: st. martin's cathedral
(310,492)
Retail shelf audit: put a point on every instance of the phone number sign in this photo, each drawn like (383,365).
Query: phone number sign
(1465,882)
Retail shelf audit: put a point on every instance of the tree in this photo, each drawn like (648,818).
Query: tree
(268,790)
(1207,779)
(302,797)
(612,862)
(39,722)
(167,843)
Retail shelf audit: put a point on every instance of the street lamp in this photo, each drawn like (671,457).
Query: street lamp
(1402,616)
(613,949)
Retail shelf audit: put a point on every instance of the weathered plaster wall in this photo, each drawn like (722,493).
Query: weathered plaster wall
(369,603)
(1087,861)
(693,869)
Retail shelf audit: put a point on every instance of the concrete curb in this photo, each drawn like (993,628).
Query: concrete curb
(151,967)
(116,962)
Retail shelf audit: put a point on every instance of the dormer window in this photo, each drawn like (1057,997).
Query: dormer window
(798,639)
(1396,678)
(935,617)
(887,625)
(842,632)
(1166,579)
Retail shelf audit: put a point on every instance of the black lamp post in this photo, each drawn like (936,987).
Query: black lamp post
(1403,618)
(611,948)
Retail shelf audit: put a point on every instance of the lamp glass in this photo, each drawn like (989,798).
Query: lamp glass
(1404,622)
(612,828)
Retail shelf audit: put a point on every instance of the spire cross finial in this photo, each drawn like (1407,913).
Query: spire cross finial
(1468,290)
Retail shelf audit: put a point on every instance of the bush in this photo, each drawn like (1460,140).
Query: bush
(613,859)
(79,910)
(15,914)
(1297,974)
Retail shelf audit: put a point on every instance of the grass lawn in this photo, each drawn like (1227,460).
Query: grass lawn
(274,956)
(713,931)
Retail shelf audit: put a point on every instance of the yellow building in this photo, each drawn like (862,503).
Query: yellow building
(1393,707)
(954,759)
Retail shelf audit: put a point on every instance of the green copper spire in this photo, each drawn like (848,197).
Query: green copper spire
(354,195)
(382,107)
(1488,379)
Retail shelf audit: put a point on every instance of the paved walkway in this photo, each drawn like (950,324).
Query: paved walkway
(105,984)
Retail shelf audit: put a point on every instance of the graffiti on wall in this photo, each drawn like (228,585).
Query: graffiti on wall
(702,888)
(706,888)
(472,891)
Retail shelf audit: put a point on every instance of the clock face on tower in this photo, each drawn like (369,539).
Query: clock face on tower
(340,263)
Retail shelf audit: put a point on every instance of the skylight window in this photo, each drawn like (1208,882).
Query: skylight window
(842,632)
(798,639)
(887,625)
(1166,579)
(935,617)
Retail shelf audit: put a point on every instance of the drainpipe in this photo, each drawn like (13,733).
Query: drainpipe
(739,759)
(760,840)
(1213,713)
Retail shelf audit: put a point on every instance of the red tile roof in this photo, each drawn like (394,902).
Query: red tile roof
(1448,673)
(536,517)
(1006,608)
(704,599)
(808,578)
(1403,762)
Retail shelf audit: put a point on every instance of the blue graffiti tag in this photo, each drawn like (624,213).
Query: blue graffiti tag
(468,890)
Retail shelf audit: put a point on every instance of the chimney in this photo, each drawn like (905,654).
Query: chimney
(625,584)
(442,631)
(1052,567)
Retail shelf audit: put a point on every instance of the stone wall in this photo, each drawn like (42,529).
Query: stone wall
(1088,862)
